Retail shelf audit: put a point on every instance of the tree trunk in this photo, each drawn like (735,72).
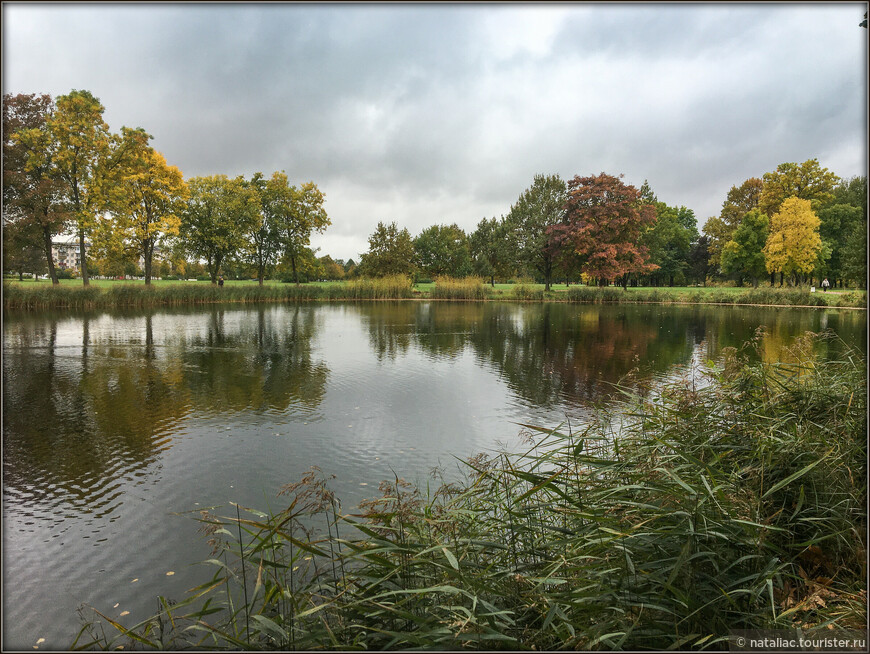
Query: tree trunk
(49,257)
(492,280)
(84,262)
(781,278)
(293,266)
(149,252)
(261,273)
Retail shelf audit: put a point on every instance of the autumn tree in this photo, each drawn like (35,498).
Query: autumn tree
(806,181)
(391,252)
(793,243)
(490,249)
(151,198)
(528,224)
(743,255)
(33,198)
(81,144)
(217,219)
(604,221)
(443,250)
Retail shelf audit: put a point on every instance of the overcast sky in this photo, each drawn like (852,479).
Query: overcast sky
(428,114)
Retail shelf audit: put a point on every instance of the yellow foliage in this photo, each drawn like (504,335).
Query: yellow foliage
(793,243)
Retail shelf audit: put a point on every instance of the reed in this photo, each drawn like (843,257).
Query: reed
(664,523)
(469,288)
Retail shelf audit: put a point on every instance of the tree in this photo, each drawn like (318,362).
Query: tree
(793,243)
(332,269)
(740,200)
(670,239)
(153,194)
(304,214)
(22,250)
(274,199)
(806,181)
(720,229)
(604,221)
(217,219)
(443,250)
(743,255)
(539,208)
(391,252)
(490,253)
(33,199)
(699,259)
(81,145)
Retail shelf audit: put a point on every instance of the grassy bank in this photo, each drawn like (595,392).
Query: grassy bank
(41,295)
(665,523)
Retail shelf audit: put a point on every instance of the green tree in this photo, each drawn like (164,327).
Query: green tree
(604,221)
(793,243)
(32,198)
(670,240)
(443,250)
(22,249)
(217,220)
(699,259)
(743,255)
(490,251)
(806,181)
(391,252)
(530,221)
(274,198)
(720,229)
(305,214)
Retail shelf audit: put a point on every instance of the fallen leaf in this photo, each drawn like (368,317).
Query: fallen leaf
(125,613)
(135,580)
(170,573)
(41,640)
(116,605)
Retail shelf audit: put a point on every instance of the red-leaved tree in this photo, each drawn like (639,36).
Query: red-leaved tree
(604,220)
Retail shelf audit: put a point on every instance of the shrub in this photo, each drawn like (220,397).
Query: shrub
(469,288)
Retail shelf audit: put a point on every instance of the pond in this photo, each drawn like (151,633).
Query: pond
(119,427)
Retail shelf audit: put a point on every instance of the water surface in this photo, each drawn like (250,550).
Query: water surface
(114,423)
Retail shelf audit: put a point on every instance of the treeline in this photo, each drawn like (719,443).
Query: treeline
(65,171)
(801,222)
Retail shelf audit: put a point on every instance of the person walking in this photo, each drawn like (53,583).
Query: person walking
(825,285)
(221,280)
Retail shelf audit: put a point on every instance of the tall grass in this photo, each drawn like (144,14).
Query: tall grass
(665,523)
(469,288)
(138,295)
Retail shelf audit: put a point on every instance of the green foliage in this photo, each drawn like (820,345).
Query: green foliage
(743,255)
(491,249)
(217,220)
(391,252)
(528,225)
(664,523)
(669,241)
(442,250)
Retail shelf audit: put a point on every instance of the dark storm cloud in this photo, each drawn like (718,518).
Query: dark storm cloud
(425,114)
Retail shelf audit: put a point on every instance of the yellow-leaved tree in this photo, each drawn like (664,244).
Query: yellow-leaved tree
(793,242)
(155,194)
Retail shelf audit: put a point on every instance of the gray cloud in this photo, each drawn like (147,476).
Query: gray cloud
(427,114)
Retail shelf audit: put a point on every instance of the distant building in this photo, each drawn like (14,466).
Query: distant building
(66,252)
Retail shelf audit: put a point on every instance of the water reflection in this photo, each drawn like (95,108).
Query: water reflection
(112,421)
